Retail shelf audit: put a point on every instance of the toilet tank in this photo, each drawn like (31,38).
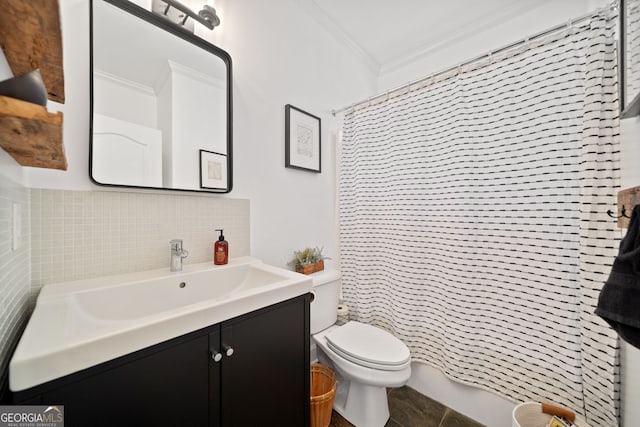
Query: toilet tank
(324,307)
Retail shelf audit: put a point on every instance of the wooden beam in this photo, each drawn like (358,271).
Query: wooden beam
(31,38)
(31,135)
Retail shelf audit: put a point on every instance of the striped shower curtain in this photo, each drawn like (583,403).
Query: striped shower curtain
(473,219)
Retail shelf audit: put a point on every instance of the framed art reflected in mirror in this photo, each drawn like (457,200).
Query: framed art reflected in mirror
(213,170)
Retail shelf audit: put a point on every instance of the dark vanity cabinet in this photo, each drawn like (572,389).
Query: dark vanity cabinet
(252,370)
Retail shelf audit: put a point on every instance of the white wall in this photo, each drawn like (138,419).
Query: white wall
(280,55)
(192,126)
(140,107)
(74,17)
(164,93)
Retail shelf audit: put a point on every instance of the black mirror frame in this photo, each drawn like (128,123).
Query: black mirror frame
(629,102)
(184,34)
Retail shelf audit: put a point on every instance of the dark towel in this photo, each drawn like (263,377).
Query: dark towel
(619,301)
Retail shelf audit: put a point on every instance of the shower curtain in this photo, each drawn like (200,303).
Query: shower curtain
(473,221)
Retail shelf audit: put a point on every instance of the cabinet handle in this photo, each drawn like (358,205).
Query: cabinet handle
(228,350)
(216,356)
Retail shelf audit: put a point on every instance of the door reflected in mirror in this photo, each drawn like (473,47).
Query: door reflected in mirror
(160,96)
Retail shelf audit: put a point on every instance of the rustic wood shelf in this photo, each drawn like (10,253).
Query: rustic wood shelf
(31,135)
(31,38)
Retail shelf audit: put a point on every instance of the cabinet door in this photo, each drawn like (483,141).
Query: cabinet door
(265,382)
(167,388)
(215,363)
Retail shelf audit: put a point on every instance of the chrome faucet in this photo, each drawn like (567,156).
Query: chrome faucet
(177,253)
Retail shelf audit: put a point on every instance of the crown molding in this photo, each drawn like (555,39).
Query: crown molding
(146,90)
(194,74)
(492,20)
(339,34)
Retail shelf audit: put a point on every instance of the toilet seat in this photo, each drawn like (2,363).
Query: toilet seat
(369,346)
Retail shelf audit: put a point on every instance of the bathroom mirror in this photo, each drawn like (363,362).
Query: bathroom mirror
(161,106)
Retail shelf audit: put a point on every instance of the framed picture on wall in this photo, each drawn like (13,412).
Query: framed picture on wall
(213,170)
(302,140)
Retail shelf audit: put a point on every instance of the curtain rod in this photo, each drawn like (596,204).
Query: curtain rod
(536,36)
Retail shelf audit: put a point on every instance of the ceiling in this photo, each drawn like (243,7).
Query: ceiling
(387,33)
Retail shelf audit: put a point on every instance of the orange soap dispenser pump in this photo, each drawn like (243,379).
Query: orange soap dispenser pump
(221,250)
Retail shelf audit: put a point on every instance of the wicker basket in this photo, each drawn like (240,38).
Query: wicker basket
(323,391)
(531,414)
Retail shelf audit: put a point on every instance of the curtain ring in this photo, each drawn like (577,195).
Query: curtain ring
(570,27)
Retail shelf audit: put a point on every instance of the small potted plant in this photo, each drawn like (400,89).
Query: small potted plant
(308,260)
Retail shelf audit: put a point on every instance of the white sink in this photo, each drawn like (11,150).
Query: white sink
(82,323)
(140,298)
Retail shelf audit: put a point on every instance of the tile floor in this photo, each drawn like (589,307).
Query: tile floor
(408,408)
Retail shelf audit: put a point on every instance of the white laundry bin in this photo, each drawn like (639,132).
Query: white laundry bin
(530,414)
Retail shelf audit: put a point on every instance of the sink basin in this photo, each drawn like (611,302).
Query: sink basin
(79,324)
(147,297)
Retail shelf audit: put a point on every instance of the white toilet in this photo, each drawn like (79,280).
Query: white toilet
(366,359)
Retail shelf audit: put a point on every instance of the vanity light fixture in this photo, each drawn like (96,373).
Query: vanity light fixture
(207,16)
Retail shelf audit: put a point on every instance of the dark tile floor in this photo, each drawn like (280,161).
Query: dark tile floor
(408,408)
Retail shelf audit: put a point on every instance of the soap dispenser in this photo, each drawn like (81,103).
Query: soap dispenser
(221,250)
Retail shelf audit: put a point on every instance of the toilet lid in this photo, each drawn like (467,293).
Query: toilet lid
(368,346)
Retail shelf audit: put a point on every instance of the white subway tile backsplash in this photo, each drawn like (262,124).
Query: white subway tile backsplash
(80,234)
(68,235)
(15,298)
